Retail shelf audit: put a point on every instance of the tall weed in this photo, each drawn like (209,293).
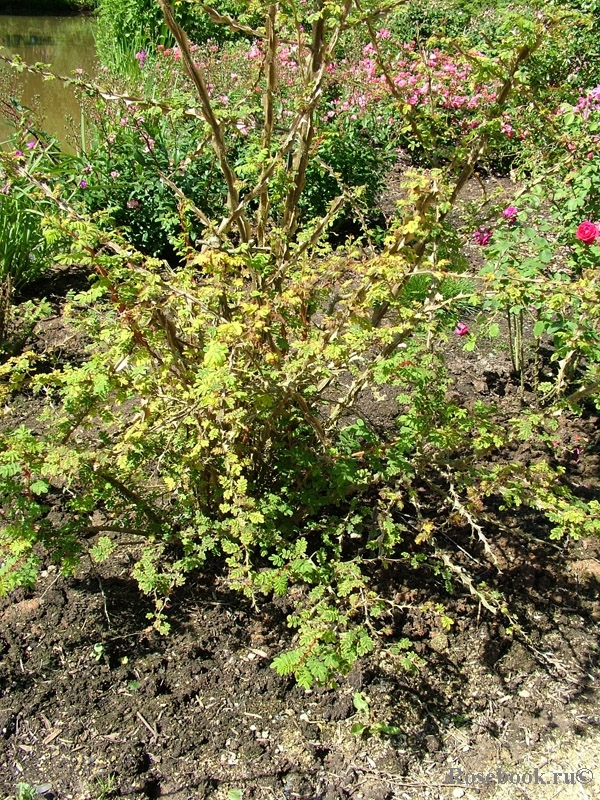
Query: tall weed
(24,252)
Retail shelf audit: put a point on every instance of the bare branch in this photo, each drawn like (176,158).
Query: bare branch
(232,24)
(467,582)
(321,53)
(271,72)
(176,190)
(585,391)
(218,140)
(458,506)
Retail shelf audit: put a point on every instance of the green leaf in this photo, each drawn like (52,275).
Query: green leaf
(358,729)
(539,328)
(285,663)
(403,644)
(318,669)
(494,330)
(101,384)
(304,677)
(360,703)
(385,729)
(280,585)
(102,549)
(216,355)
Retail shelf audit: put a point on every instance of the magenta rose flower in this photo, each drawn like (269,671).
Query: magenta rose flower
(587,232)
(510,214)
(461,329)
(482,236)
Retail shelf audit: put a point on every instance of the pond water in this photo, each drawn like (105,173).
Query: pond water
(67,43)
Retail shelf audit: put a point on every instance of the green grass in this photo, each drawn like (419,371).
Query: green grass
(24,252)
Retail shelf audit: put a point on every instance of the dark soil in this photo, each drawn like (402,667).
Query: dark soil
(95,704)
(92,698)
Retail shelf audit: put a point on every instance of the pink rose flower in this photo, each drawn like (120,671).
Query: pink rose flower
(587,232)
(510,214)
(461,329)
(482,236)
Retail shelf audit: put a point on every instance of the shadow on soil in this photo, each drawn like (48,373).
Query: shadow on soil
(91,693)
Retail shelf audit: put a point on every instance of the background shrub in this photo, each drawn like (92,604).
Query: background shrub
(132,147)
(128,26)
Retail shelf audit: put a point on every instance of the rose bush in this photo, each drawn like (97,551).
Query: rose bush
(219,413)
(543,270)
